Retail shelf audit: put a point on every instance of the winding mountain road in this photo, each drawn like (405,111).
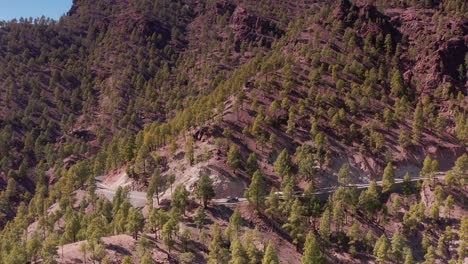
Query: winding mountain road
(139,199)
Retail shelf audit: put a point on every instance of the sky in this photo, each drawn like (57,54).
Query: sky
(10,9)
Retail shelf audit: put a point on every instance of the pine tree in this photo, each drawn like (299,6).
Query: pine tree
(430,255)
(180,199)
(388,118)
(72,227)
(189,152)
(270,257)
(434,212)
(255,194)
(338,216)
(408,256)
(434,168)
(449,202)
(33,246)
(325,222)
(407,184)
(427,167)
(397,246)
(312,252)
(291,121)
(217,254)
(344,175)
(205,191)
(388,179)
(186,258)
(235,221)
(296,223)
(185,236)
(369,240)
(388,44)
(354,233)
(233,158)
(154,186)
(170,180)
(369,199)
(238,254)
(397,85)
(135,223)
(169,229)
(404,139)
(252,164)
(49,248)
(156,220)
(273,204)
(306,167)
(127,260)
(274,108)
(143,245)
(84,250)
(199,218)
(283,164)
(251,239)
(463,234)
(417,123)
(381,249)
(146,259)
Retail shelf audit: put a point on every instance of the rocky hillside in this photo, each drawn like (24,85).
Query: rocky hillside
(295,97)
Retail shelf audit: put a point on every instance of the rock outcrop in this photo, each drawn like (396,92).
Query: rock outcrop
(248,27)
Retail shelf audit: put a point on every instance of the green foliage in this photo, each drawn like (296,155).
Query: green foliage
(255,194)
(388,178)
(283,164)
(381,249)
(170,228)
(205,191)
(273,204)
(369,199)
(154,186)
(417,123)
(305,162)
(217,253)
(234,158)
(344,175)
(449,204)
(235,221)
(189,151)
(325,223)
(179,199)
(186,258)
(65,107)
(270,256)
(135,222)
(312,252)
(127,260)
(296,223)
(238,254)
(252,164)
(413,217)
(398,245)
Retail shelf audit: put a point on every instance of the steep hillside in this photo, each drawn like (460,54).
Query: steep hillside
(251,131)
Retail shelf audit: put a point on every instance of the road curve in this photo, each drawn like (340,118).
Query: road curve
(139,199)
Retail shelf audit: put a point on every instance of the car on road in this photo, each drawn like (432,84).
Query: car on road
(232,200)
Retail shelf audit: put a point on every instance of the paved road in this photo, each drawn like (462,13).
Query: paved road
(138,199)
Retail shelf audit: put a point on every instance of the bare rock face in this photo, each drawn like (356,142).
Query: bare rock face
(342,9)
(450,55)
(372,21)
(225,6)
(248,27)
(441,49)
